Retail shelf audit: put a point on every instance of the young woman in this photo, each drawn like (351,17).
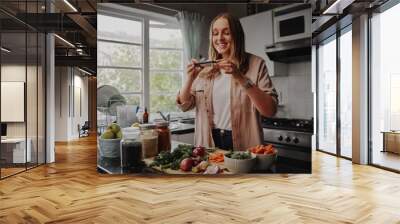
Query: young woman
(230,95)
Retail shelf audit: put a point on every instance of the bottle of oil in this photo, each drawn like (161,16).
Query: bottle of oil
(145,116)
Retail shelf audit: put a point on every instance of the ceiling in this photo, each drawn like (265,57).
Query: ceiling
(76,24)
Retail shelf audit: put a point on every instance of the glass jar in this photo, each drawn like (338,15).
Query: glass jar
(131,151)
(164,136)
(149,138)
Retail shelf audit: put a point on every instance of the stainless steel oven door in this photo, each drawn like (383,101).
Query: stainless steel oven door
(285,137)
(292,152)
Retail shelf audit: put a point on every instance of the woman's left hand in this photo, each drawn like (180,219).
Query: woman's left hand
(230,68)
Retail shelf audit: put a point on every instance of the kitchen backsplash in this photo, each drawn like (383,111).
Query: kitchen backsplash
(296,99)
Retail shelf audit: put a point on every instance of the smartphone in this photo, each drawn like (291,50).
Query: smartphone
(205,63)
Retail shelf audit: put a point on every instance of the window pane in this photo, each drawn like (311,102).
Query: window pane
(394,100)
(163,102)
(125,80)
(113,28)
(13,78)
(112,54)
(165,82)
(327,97)
(165,37)
(385,88)
(346,94)
(133,99)
(165,59)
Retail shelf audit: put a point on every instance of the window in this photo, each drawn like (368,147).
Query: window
(385,87)
(327,96)
(119,56)
(166,68)
(147,68)
(346,93)
(335,93)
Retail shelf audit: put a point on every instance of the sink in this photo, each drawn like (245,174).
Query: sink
(173,126)
(187,121)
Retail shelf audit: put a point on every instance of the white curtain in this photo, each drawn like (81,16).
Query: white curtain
(192,25)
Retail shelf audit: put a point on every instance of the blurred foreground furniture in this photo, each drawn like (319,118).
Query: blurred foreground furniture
(84,130)
(13,151)
(391,141)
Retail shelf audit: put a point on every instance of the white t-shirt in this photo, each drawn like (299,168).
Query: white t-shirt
(222,101)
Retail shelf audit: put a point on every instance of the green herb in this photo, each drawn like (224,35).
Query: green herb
(173,159)
(175,165)
(239,155)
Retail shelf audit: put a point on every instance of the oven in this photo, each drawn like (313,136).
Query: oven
(292,139)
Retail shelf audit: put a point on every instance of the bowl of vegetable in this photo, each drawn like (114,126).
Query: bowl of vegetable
(266,156)
(239,161)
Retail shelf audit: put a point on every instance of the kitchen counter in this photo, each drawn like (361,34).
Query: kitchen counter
(113,165)
(182,128)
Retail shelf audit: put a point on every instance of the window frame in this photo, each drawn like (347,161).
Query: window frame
(145,17)
(371,14)
(335,36)
(132,68)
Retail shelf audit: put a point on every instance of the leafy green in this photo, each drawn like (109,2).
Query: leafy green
(239,155)
(173,159)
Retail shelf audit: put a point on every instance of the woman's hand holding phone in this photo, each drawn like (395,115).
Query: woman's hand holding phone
(230,68)
(192,70)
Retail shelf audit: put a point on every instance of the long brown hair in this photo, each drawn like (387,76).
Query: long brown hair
(237,51)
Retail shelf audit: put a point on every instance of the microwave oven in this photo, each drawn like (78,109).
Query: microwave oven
(292,23)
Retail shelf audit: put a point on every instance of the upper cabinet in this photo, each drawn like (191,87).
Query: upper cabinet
(258,30)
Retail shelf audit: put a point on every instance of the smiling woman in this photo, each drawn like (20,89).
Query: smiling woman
(225,88)
(229,96)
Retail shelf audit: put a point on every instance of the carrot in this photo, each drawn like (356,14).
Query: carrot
(216,157)
(262,149)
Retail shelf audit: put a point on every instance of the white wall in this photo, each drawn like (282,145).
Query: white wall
(14,72)
(295,93)
(62,81)
(33,126)
(69,82)
(79,117)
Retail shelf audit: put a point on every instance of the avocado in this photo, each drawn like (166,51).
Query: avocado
(108,135)
(115,128)
(119,135)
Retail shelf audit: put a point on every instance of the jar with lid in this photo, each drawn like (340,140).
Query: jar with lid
(131,150)
(164,136)
(149,138)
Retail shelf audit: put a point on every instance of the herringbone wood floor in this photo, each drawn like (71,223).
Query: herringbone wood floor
(71,191)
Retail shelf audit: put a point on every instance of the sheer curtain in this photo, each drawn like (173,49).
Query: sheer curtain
(192,26)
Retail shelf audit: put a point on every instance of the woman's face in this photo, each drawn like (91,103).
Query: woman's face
(221,36)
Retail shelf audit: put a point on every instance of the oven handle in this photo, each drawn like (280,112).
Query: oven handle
(289,147)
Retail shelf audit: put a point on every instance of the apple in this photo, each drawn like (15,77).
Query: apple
(199,151)
(186,164)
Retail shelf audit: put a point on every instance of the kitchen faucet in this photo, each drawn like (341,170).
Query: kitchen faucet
(166,118)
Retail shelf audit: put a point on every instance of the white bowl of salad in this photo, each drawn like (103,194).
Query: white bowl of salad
(239,161)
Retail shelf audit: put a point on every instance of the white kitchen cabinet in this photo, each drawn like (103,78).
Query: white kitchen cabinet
(185,138)
(258,30)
